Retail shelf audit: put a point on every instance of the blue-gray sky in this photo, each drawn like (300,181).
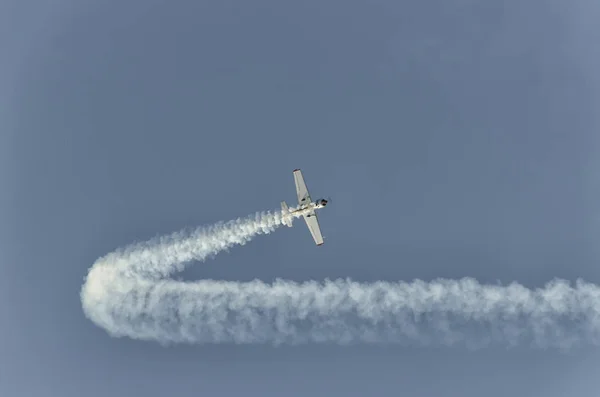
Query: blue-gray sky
(456,139)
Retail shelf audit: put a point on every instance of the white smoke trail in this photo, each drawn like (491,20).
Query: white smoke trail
(127,293)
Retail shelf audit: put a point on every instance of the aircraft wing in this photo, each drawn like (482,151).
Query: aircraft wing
(313,225)
(301,189)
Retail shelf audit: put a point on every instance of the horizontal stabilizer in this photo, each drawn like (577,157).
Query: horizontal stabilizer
(285,211)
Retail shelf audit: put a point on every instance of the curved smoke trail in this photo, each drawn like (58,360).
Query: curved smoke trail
(127,293)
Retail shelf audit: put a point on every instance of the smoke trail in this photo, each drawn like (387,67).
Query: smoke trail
(127,292)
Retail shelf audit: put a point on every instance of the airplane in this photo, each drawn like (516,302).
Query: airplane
(306,208)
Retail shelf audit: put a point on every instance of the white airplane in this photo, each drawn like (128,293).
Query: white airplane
(306,208)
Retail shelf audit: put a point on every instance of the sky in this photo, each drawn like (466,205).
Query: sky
(455,138)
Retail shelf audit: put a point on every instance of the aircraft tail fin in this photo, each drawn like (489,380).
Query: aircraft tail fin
(287,218)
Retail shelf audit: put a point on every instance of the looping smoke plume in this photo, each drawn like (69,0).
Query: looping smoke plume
(128,293)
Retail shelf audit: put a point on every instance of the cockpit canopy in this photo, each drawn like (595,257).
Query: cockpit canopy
(323,202)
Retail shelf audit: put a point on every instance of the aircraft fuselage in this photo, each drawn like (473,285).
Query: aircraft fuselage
(318,204)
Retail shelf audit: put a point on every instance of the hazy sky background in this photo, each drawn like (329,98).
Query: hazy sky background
(456,138)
